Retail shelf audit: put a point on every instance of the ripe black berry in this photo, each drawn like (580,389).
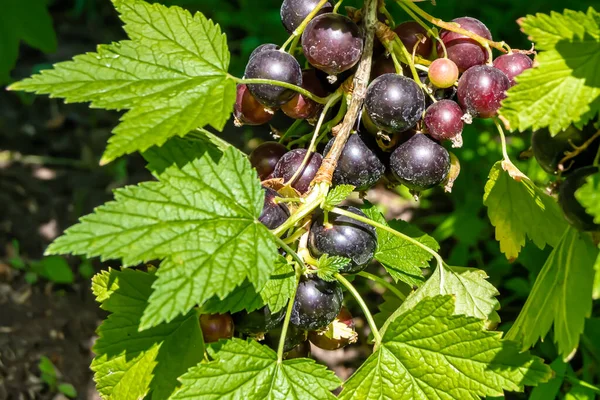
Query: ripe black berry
(394,103)
(549,151)
(263,47)
(444,121)
(411,33)
(216,326)
(273,65)
(572,209)
(481,89)
(345,237)
(316,304)
(420,163)
(259,321)
(332,43)
(512,65)
(358,165)
(273,214)
(293,12)
(265,157)
(464,51)
(291,162)
(247,110)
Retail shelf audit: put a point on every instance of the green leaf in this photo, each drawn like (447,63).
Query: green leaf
(171,75)
(430,353)
(565,87)
(401,258)
(561,295)
(596,290)
(48,372)
(550,389)
(519,210)
(68,390)
(337,195)
(474,296)
(243,297)
(53,268)
(247,370)
(387,307)
(179,152)
(201,219)
(589,196)
(130,364)
(329,266)
(280,286)
(27,21)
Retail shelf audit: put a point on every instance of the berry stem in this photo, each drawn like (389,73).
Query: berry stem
(362,305)
(507,164)
(578,150)
(401,235)
(337,6)
(290,130)
(302,91)
(383,283)
(298,31)
(419,21)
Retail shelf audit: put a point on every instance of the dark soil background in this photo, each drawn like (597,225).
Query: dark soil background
(49,176)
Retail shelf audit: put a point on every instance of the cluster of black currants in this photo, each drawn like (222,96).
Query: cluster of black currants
(571,154)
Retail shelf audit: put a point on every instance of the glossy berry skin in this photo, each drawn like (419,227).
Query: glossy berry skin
(549,151)
(291,162)
(420,163)
(328,343)
(443,73)
(216,326)
(513,65)
(394,103)
(464,51)
(411,33)
(263,47)
(444,120)
(481,89)
(301,107)
(258,321)
(358,165)
(343,236)
(265,157)
(293,12)
(300,351)
(573,211)
(382,65)
(316,304)
(332,43)
(273,65)
(247,110)
(273,214)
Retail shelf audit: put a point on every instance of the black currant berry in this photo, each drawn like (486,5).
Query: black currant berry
(291,162)
(444,121)
(216,326)
(256,322)
(332,43)
(326,339)
(316,304)
(358,165)
(481,89)
(293,12)
(263,47)
(274,65)
(300,351)
(443,73)
(420,163)
(273,214)
(382,65)
(301,107)
(464,51)
(293,338)
(411,33)
(247,110)
(549,151)
(265,157)
(345,237)
(394,103)
(512,65)
(572,209)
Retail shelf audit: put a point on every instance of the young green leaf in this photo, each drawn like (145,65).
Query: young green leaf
(171,75)
(247,370)
(589,196)
(565,87)
(474,295)
(401,258)
(329,266)
(201,219)
(520,210)
(337,195)
(561,295)
(430,353)
(130,364)
(29,21)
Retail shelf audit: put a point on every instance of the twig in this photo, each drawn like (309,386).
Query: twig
(577,150)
